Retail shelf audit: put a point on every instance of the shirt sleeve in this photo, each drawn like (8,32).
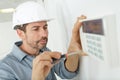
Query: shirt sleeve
(62,72)
(5,73)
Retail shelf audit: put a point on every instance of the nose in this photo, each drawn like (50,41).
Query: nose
(43,32)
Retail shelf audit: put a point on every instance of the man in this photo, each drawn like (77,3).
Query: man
(30,59)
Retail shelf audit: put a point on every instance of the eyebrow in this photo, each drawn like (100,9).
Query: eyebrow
(35,26)
(40,26)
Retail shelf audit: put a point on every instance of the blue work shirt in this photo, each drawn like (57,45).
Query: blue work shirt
(18,66)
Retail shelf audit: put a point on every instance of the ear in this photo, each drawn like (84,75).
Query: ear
(21,34)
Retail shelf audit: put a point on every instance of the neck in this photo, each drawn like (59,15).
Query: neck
(29,50)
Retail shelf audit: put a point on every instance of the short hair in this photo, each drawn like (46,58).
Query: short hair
(21,27)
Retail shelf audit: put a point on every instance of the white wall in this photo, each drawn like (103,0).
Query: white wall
(90,68)
(7,38)
(59,27)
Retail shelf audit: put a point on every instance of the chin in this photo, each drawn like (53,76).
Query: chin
(42,46)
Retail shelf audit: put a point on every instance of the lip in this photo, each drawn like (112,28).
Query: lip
(43,41)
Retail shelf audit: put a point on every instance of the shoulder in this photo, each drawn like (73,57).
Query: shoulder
(8,61)
(6,70)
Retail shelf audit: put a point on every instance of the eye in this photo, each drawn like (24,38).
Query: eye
(45,26)
(35,28)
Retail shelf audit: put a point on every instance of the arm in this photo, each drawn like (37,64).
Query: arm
(75,45)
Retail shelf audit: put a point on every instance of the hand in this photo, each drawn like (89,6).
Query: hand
(75,44)
(42,65)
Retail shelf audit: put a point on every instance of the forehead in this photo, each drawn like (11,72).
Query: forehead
(38,23)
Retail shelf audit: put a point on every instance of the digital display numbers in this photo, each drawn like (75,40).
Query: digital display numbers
(93,27)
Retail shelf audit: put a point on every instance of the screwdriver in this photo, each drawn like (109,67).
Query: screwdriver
(65,56)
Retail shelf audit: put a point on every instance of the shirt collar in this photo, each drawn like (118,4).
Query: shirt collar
(19,54)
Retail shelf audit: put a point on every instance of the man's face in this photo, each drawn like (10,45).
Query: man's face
(36,35)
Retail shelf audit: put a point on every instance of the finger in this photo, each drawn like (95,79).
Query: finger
(78,24)
(47,56)
(83,54)
(79,19)
(82,17)
(76,53)
(56,55)
(44,63)
(42,57)
(45,67)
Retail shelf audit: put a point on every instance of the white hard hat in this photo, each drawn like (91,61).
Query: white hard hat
(29,12)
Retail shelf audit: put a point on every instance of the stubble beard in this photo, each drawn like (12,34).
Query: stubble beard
(37,45)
